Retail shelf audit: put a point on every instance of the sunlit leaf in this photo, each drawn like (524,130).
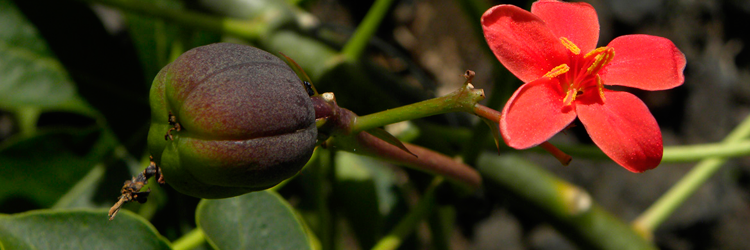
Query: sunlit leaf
(258,220)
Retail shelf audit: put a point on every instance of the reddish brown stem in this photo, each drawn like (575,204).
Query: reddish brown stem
(426,160)
(559,154)
(494,116)
(487,113)
(337,122)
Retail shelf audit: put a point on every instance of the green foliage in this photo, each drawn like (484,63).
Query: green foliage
(32,76)
(78,229)
(259,220)
(368,193)
(42,168)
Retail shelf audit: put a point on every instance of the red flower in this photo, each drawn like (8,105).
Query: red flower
(552,49)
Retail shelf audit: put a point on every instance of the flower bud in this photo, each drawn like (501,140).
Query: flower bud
(241,121)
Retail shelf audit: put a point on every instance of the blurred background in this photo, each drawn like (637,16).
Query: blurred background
(71,141)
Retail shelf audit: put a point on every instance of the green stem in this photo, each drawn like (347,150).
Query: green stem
(698,152)
(672,154)
(357,43)
(27,118)
(670,201)
(246,29)
(191,240)
(568,208)
(463,99)
(322,173)
(440,229)
(407,225)
(502,90)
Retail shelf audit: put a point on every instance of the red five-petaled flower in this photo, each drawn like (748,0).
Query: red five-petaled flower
(552,49)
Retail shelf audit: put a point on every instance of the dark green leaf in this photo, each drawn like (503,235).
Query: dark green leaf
(78,229)
(258,220)
(157,42)
(153,39)
(365,193)
(40,169)
(31,74)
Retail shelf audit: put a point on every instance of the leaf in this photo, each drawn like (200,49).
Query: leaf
(366,193)
(81,194)
(495,130)
(158,42)
(31,74)
(257,220)
(389,138)
(153,39)
(78,229)
(40,169)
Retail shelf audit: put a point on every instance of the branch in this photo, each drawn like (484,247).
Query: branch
(676,196)
(568,208)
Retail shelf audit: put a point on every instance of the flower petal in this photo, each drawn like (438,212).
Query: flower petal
(645,62)
(624,129)
(577,22)
(522,42)
(534,114)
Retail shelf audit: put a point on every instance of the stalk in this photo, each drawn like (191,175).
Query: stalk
(676,196)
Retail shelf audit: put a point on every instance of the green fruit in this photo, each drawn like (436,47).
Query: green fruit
(247,122)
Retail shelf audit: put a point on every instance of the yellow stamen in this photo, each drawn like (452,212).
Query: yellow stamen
(595,51)
(559,70)
(570,96)
(600,86)
(570,45)
(601,60)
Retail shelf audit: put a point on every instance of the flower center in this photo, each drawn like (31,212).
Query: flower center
(581,77)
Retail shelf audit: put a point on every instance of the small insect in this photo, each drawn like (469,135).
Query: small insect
(311,91)
(309,88)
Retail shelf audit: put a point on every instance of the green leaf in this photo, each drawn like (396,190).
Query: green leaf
(389,138)
(365,193)
(158,42)
(81,194)
(40,169)
(257,220)
(31,74)
(495,130)
(152,39)
(78,229)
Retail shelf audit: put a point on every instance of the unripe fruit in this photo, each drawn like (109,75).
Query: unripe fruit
(247,122)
